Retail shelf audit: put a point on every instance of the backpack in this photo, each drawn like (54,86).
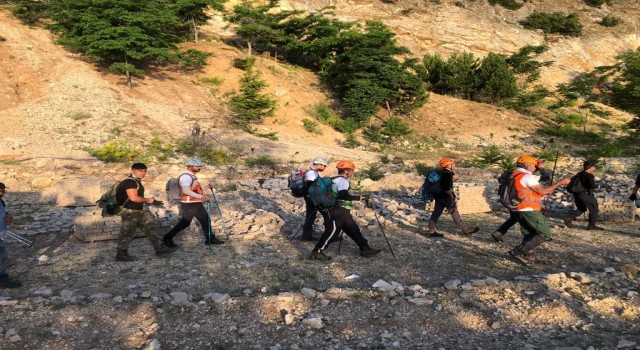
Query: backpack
(321,193)
(108,202)
(503,182)
(174,190)
(575,185)
(297,183)
(432,182)
(509,195)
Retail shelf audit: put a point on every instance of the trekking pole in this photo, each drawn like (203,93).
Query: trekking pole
(300,228)
(555,164)
(368,204)
(215,200)
(19,239)
(209,218)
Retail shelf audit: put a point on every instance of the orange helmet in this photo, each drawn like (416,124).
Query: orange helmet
(444,162)
(526,159)
(346,164)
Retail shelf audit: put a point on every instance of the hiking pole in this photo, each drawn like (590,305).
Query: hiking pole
(303,225)
(19,239)
(553,173)
(368,204)
(215,200)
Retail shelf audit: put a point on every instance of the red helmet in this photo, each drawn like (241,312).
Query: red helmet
(444,162)
(346,164)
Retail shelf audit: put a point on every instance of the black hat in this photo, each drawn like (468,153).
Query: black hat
(138,166)
(2,186)
(587,164)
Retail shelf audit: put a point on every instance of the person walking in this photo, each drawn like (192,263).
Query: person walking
(446,199)
(634,190)
(339,217)
(545,176)
(318,165)
(584,198)
(130,196)
(5,218)
(191,203)
(533,224)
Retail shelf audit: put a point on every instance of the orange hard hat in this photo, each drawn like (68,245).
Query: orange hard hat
(526,159)
(346,164)
(446,161)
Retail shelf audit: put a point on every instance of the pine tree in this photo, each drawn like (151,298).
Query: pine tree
(192,12)
(495,80)
(250,105)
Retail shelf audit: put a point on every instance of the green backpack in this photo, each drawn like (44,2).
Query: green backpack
(108,201)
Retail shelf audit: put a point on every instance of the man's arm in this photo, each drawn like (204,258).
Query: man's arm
(548,190)
(132,194)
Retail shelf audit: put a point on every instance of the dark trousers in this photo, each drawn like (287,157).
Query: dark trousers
(534,227)
(444,202)
(189,211)
(585,201)
(512,220)
(338,219)
(309,218)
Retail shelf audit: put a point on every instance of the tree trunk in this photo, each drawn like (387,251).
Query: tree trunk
(127,73)
(388,108)
(249,46)
(195,30)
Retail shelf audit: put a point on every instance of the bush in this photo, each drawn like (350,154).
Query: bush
(114,152)
(595,3)
(214,156)
(217,81)
(555,22)
(2,38)
(610,21)
(373,172)
(250,104)
(491,156)
(422,169)
(394,127)
(244,63)
(350,140)
(508,4)
(311,126)
(193,59)
(570,119)
(260,161)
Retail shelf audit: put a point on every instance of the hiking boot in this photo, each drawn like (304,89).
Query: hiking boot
(214,240)
(568,222)
(169,243)
(316,255)
(162,250)
(368,251)
(434,234)
(122,255)
(468,231)
(497,236)
(519,257)
(593,227)
(7,283)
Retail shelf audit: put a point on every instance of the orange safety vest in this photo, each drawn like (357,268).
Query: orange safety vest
(530,198)
(195,187)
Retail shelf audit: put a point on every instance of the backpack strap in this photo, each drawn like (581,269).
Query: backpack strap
(118,187)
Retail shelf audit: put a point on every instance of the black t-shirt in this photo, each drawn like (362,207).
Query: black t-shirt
(446,180)
(121,193)
(588,181)
(638,180)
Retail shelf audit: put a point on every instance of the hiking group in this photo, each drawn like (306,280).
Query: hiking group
(520,191)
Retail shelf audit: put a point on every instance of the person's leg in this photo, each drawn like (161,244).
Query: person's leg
(204,218)
(4,259)
(332,227)
(188,212)
(128,227)
(581,207)
(144,220)
(498,235)
(591,203)
(452,208)
(309,219)
(535,229)
(435,215)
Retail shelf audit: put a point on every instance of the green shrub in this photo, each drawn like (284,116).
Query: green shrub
(610,21)
(508,4)
(595,3)
(217,81)
(268,135)
(79,115)
(193,59)
(491,156)
(2,38)
(214,156)
(244,63)
(373,134)
(311,126)
(548,154)
(158,149)
(350,140)
(555,22)
(260,161)
(114,152)
(394,127)
(569,133)
(571,119)
(373,172)
(422,169)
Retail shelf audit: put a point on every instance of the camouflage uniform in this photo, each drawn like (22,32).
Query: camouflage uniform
(132,220)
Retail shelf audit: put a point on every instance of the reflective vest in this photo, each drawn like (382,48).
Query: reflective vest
(530,198)
(195,187)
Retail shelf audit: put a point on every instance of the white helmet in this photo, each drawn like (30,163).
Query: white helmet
(194,162)
(320,160)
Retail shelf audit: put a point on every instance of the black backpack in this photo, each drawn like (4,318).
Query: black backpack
(297,183)
(575,186)
(508,192)
(432,183)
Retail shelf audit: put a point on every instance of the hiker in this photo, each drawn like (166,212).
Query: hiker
(533,224)
(446,198)
(130,196)
(584,198)
(5,218)
(192,206)
(317,166)
(339,217)
(545,176)
(634,190)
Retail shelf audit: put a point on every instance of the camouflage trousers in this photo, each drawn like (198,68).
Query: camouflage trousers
(133,220)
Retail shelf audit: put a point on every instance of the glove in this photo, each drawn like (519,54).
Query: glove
(633,197)
(157,203)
